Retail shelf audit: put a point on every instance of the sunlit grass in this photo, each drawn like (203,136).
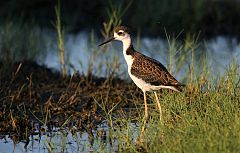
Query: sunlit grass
(197,122)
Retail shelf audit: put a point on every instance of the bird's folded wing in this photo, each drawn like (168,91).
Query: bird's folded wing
(152,71)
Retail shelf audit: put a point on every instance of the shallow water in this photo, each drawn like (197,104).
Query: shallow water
(62,140)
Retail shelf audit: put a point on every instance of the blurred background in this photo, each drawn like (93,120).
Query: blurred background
(211,17)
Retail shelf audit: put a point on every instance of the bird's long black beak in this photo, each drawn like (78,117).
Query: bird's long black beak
(107,41)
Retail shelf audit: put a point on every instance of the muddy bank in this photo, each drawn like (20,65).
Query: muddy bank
(30,93)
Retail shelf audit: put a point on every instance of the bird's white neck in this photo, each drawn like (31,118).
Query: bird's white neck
(126,44)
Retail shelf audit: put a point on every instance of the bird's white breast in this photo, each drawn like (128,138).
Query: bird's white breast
(129,59)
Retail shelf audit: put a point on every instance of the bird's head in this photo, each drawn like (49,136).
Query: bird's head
(120,33)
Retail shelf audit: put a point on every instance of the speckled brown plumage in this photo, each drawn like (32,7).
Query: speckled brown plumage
(152,71)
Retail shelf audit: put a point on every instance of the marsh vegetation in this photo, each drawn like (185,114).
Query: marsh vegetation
(95,107)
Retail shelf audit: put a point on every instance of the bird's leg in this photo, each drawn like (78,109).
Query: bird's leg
(159,106)
(146,107)
(145,115)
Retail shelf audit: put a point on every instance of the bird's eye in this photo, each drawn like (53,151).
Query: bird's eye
(120,33)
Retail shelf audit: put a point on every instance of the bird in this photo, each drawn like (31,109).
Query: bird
(147,73)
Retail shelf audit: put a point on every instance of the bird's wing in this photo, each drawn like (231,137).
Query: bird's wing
(152,71)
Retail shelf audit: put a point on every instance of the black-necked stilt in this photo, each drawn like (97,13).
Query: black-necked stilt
(147,73)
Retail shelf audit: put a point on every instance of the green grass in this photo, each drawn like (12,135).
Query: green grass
(207,123)
(197,122)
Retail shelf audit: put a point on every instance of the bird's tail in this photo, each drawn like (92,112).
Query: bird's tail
(179,87)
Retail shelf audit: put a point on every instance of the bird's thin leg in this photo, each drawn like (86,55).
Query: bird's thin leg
(159,106)
(145,115)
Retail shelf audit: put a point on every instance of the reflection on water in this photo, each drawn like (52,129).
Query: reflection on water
(63,140)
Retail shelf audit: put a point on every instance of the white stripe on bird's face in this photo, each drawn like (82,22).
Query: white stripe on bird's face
(125,38)
(122,36)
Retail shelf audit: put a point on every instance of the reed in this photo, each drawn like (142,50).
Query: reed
(60,34)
